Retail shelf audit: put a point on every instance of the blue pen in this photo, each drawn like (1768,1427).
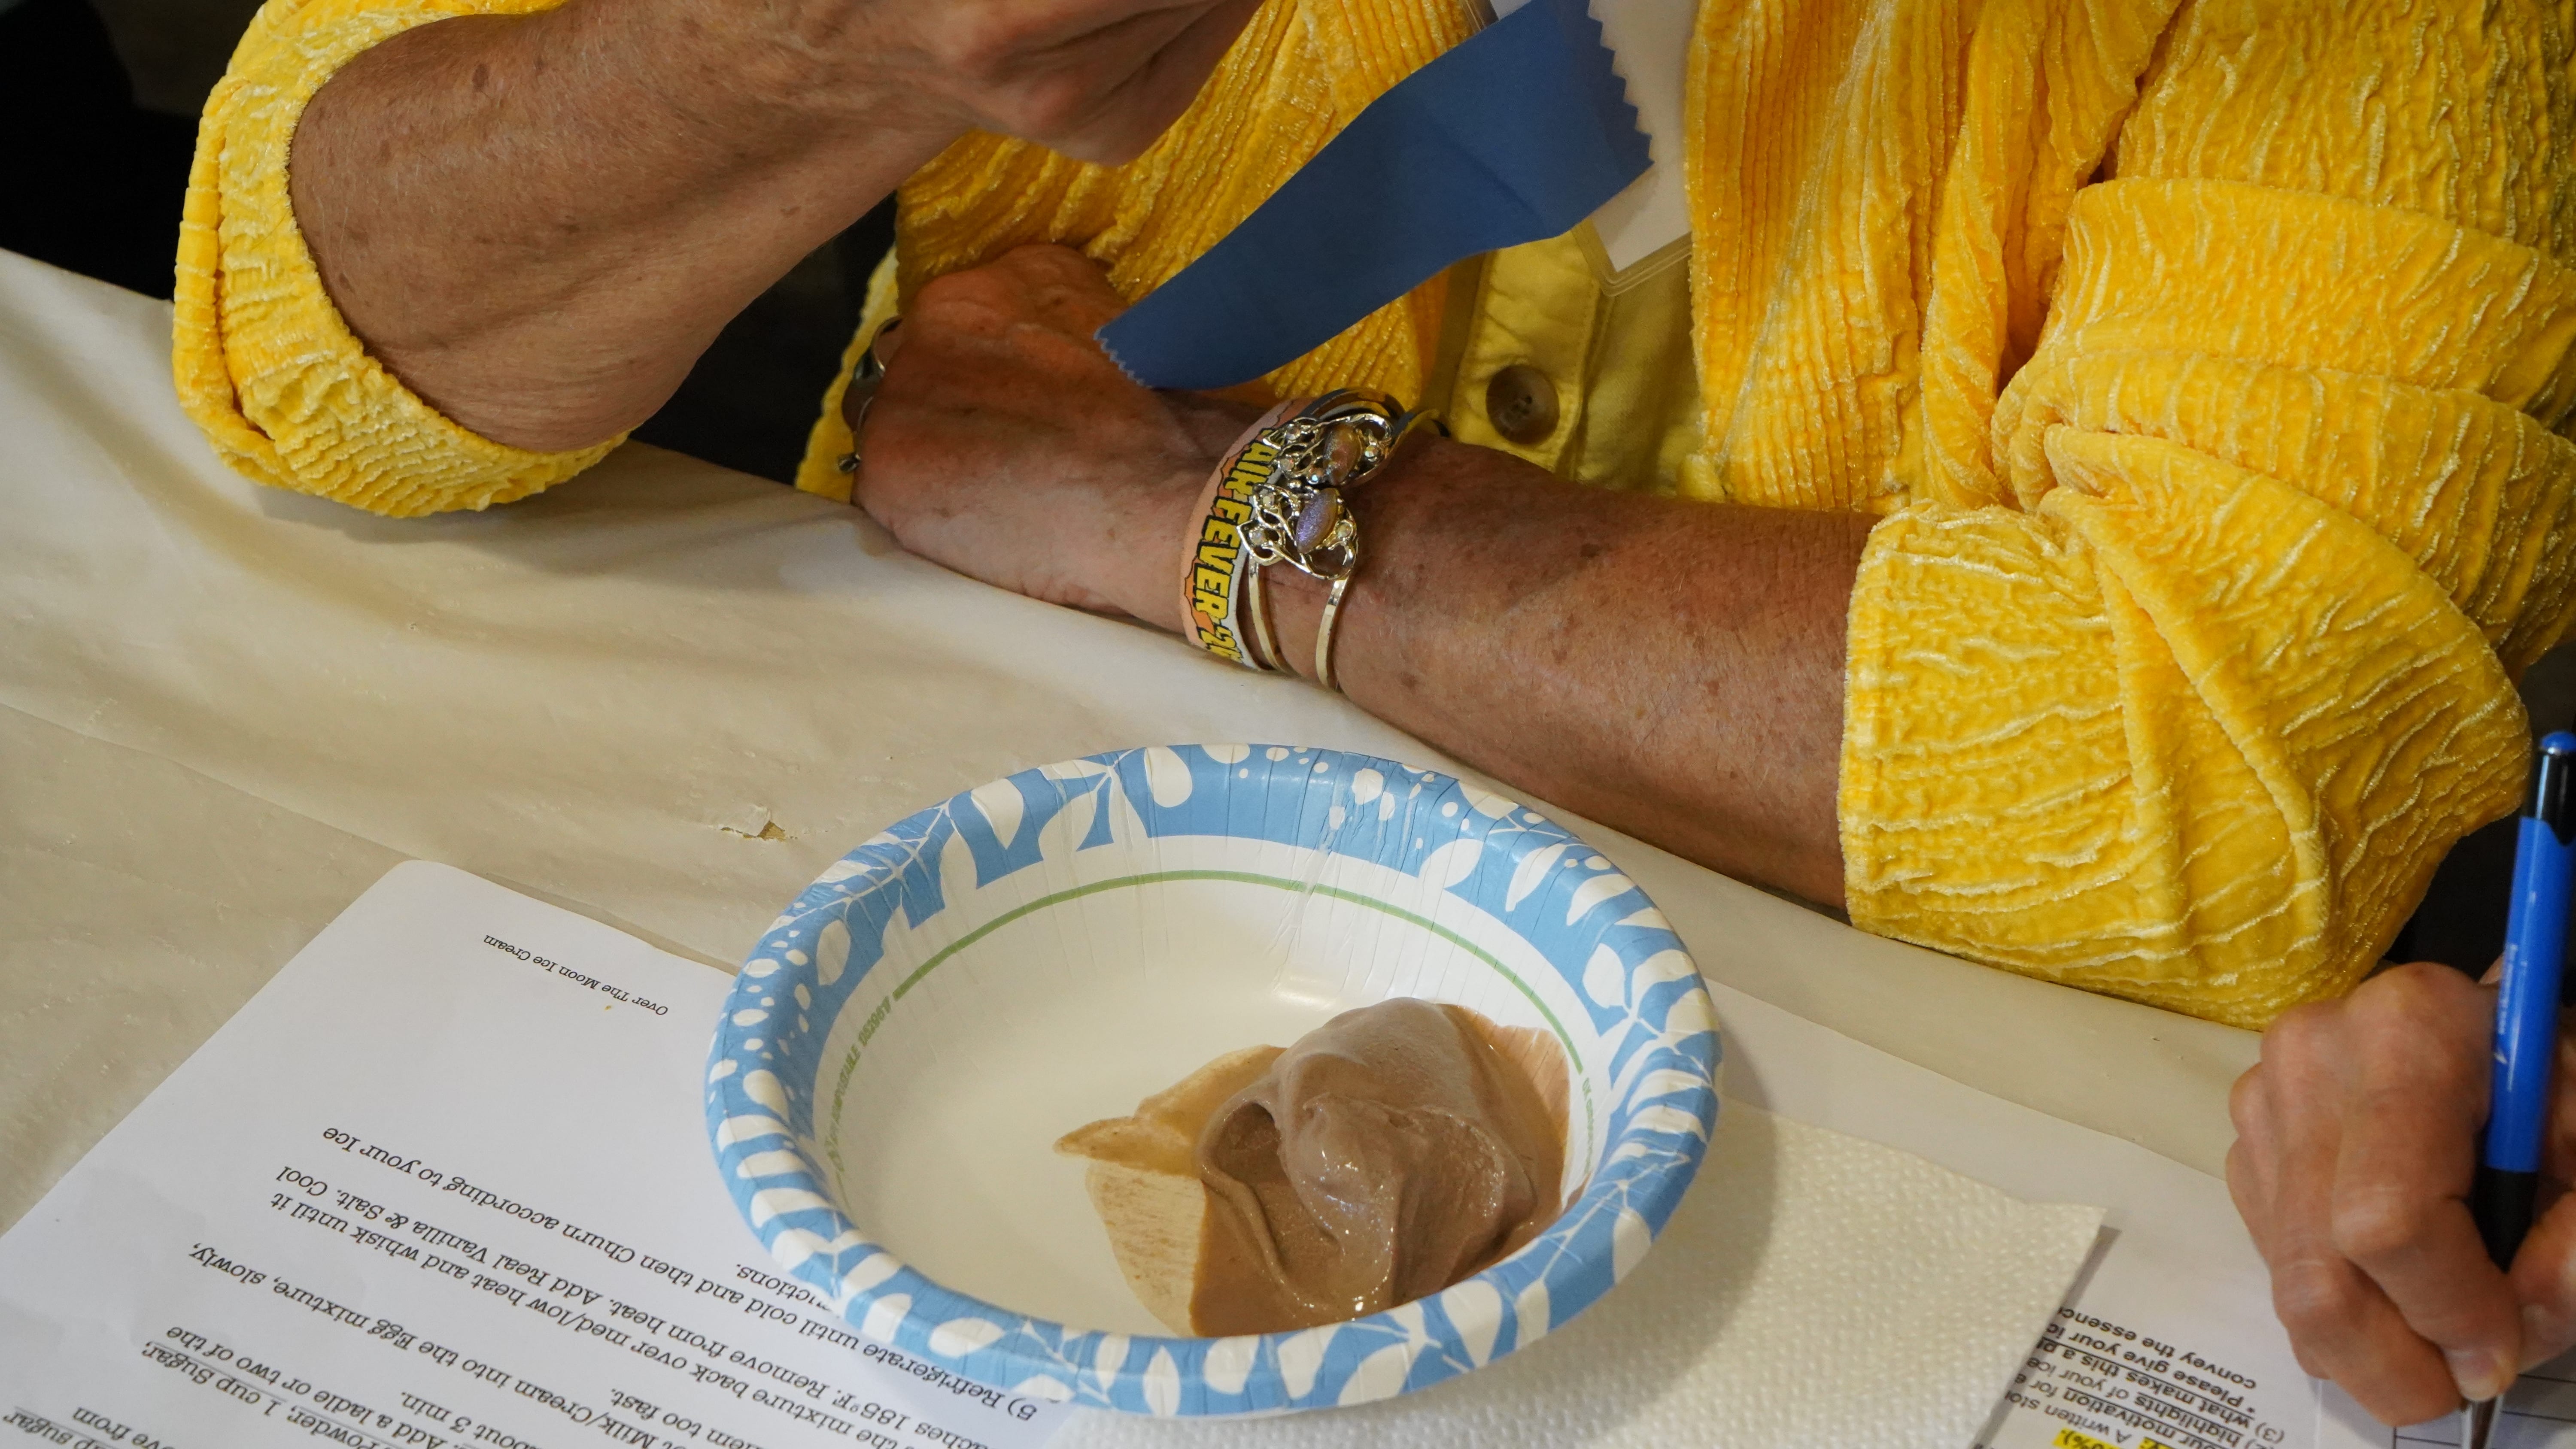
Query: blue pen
(2526,1035)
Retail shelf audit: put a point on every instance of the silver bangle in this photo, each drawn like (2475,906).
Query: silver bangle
(1260,636)
(1325,631)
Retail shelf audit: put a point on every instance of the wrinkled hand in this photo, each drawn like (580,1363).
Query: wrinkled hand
(2357,1142)
(1004,444)
(1097,80)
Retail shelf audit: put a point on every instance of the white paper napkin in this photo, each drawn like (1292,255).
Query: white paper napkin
(1814,1291)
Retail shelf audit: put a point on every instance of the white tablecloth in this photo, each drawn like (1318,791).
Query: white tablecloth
(224,710)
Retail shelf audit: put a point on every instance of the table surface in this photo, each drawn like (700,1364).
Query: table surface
(225,710)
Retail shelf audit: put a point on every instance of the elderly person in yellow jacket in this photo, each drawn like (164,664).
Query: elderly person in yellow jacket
(2081,502)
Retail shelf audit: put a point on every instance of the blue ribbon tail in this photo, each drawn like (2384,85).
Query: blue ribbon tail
(1516,134)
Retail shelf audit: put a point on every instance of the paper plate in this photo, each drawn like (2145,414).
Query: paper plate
(908,1040)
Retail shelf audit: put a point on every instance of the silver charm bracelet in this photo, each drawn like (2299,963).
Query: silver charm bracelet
(1300,511)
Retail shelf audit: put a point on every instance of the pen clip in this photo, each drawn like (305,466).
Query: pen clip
(2553,779)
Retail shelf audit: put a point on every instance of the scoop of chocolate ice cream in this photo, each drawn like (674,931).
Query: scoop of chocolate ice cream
(1387,1154)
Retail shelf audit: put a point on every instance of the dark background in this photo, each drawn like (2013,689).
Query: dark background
(98,102)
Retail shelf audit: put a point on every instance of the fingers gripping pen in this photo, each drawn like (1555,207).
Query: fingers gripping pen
(2526,1036)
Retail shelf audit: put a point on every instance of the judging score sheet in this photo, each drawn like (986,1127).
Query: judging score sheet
(443,1183)
(2539,1413)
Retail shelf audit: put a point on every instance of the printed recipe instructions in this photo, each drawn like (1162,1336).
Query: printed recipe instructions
(444,1182)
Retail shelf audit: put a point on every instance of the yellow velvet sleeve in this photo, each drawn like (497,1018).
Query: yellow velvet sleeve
(2189,706)
(263,362)
(1301,70)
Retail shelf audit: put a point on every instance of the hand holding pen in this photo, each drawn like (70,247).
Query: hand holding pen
(2355,1163)
(2510,1156)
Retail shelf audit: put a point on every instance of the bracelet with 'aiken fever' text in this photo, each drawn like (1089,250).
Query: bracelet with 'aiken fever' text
(1216,599)
(1279,497)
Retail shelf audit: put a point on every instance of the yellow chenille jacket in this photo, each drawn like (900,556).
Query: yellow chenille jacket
(2210,366)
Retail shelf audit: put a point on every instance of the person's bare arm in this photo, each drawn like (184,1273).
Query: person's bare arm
(1672,669)
(538,222)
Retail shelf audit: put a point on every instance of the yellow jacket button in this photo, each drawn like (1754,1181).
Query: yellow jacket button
(1521,404)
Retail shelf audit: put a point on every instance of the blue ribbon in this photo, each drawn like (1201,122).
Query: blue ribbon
(1516,134)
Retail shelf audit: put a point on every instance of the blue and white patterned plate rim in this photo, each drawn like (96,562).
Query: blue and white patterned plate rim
(1595,927)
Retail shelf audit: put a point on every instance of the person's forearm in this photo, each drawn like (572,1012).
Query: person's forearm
(1671,669)
(539,222)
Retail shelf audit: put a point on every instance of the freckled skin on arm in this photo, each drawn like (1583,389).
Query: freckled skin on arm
(1671,669)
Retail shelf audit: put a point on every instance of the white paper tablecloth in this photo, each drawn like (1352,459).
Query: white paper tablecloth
(224,709)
